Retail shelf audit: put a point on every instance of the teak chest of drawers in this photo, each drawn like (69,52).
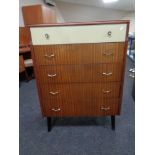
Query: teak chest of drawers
(79,68)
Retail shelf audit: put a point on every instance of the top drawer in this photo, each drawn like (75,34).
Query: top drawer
(78,34)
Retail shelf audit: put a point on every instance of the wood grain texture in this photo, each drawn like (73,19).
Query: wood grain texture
(42,106)
(78,77)
(81,23)
(79,73)
(80,107)
(79,90)
(123,70)
(38,14)
(21,64)
(24,36)
(79,53)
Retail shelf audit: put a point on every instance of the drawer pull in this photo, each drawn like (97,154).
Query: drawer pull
(49,56)
(54,93)
(132,76)
(47,36)
(106,91)
(58,109)
(109,33)
(105,109)
(107,74)
(52,75)
(108,53)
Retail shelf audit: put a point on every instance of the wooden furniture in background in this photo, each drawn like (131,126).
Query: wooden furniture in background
(24,63)
(24,36)
(38,14)
(80,67)
(24,49)
(24,40)
(22,67)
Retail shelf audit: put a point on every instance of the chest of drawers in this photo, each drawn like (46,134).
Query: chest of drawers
(79,68)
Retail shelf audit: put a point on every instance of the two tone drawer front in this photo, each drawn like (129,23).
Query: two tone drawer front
(78,34)
(79,68)
(79,53)
(79,73)
(95,107)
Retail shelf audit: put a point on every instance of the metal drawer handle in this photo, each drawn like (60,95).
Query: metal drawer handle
(108,53)
(105,109)
(132,76)
(109,33)
(52,75)
(107,74)
(58,109)
(54,93)
(47,36)
(106,91)
(132,70)
(49,56)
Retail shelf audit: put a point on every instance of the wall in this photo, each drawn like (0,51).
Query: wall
(34,2)
(76,12)
(130,16)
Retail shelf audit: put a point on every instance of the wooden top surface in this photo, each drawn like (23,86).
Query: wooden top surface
(82,23)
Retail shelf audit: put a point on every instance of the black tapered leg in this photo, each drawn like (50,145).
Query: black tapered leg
(49,124)
(113,122)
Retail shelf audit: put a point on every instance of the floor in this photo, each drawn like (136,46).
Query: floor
(76,136)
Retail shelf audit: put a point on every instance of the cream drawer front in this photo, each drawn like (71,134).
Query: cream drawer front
(78,34)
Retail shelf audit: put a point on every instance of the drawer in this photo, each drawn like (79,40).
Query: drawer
(79,53)
(95,107)
(79,73)
(78,34)
(77,91)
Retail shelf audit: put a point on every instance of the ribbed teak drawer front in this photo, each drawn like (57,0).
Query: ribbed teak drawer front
(79,53)
(78,34)
(76,91)
(80,73)
(95,107)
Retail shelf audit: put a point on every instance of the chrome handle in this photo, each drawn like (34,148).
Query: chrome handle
(109,33)
(49,56)
(58,109)
(106,91)
(132,70)
(52,75)
(107,74)
(105,108)
(47,36)
(108,53)
(54,93)
(132,76)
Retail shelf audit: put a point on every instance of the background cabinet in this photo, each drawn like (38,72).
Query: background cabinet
(38,14)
